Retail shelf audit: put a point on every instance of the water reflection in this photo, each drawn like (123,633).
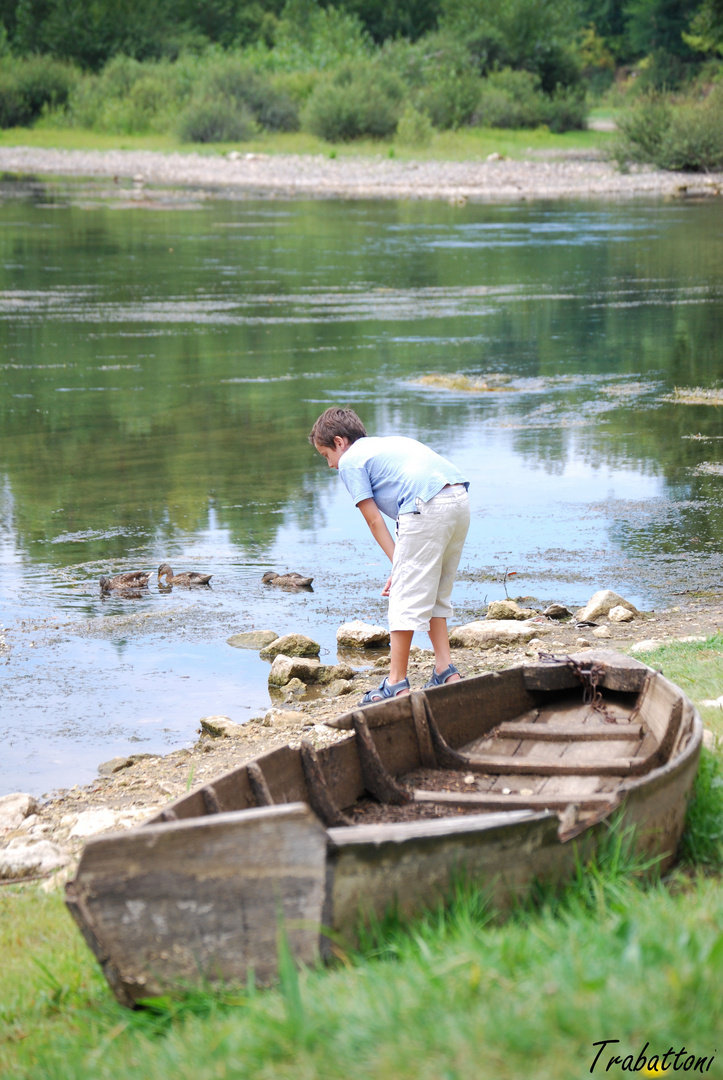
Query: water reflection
(159,373)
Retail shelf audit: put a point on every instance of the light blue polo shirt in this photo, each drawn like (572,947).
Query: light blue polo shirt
(395,471)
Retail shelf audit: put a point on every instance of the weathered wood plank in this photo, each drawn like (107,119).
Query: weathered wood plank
(622,673)
(377,780)
(319,796)
(498,801)
(520,765)
(201,900)
(565,733)
(427,756)
(259,787)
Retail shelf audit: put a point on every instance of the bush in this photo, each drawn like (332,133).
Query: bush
(510,99)
(515,99)
(414,128)
(128,96)
(441,77)
(216,120)
(686,136)
(357,100)
(31,86)
(237,82)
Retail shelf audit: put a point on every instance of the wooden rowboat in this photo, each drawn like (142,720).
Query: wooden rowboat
(508,777)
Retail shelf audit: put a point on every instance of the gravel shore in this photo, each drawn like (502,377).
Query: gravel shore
(575,176)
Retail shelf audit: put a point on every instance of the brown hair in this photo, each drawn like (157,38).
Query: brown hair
(333,422)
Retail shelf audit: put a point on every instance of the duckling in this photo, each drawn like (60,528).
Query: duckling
(131,579)
(292,579)
(191,577)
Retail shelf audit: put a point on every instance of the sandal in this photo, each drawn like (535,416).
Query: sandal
(441,678)
(385,690)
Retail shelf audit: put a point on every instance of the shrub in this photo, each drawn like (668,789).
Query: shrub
(441,77)
(358,99)
(237,82)
(30,86)
(414,128)
(510,99)
(515,99)
(216,120)
(687,136)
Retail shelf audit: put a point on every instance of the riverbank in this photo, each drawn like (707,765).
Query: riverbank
(129,790)
(575,175)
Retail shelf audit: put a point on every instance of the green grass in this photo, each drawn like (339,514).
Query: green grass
(454,995)
(466,144)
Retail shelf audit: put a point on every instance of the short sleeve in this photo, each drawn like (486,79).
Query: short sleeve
(357,483)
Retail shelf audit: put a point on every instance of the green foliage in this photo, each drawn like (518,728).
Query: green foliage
(535,35)
(389,20)
(441,76)
(702,843)
(311,38)
(414,128)
(514,99)
(233,80)
(129,97)
(31,86)
(706,28)
(686,136)
(356,100)
(215,119)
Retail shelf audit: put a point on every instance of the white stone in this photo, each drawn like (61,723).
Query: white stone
(710,741)
(583,643)
(361,635)
(620,614)
(602,632)
(90,822)
(14,809)
(648,645)
(712,703)
(252,639)
(222,727)
(485,634)
(601,603)
(19,860)
(286,668)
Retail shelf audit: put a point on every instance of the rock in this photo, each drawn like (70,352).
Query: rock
(361,635)
(221,727)
(14,809)
(21,859)
(291,645)
(620,614)
(107,768)
(601,603)
(710,742)
(339,687)
(485,634)
(103,819)
(648,645)
(252,639)
(583,643)
(557,611)
(286,668)
(508,609)
(602,632)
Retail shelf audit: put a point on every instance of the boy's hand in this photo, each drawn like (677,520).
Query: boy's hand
(387,587)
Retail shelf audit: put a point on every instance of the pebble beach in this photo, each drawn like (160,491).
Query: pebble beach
(577,175)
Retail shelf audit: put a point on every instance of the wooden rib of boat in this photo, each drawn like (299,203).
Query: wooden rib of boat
(509,777)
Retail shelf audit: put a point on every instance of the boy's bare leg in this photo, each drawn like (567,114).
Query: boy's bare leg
(401,643)
(440,643)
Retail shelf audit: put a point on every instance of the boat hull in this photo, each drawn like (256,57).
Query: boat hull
(205,891)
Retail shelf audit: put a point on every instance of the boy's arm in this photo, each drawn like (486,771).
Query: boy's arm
(377,527)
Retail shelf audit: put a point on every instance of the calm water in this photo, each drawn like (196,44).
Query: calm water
(160,370)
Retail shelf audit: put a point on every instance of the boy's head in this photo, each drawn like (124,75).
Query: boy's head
(336,423)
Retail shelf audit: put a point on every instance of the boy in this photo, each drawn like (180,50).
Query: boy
(427,497)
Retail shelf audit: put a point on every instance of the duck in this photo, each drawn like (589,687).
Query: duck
(291,579)
(131,579)
(190,577)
